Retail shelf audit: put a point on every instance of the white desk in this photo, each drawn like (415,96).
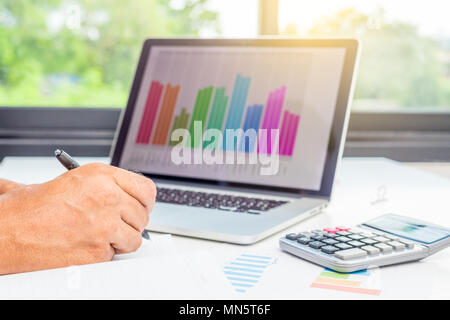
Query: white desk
(360,185)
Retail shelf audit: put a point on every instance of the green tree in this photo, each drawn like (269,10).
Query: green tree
(399,67)
(83,52)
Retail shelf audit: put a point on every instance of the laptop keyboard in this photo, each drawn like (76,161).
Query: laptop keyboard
(216,201)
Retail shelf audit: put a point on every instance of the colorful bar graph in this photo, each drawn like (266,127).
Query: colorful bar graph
(151,108)
(180,122)
(237,105)
(226,112)
(200,113)
(271,119)
(252,121)
(289,129)
(219,106)
(165,115)
(354,282)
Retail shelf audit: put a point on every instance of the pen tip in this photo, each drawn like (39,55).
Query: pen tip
(58,152)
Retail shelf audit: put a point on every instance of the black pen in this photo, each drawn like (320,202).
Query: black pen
(69,163)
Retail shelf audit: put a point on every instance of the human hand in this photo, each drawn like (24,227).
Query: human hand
(84,216)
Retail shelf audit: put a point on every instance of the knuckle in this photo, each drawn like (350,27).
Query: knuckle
(97,166)
(109,196)
(146,220)
(73,178)
(152,188)
(101,252)
(110,226)
(149,189)
(137,243)
(100,227)
(90,219)
(103,195)
(95,227)
(143,217)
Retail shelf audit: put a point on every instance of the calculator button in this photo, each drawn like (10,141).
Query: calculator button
(343,233)
(351,254)
(304,240)
(355,237)
(372,251)
(409,244)
(368,241)
(330,241)
(319,232)
(317,237)
(316,244)
(343,246)
(357,230)
(292,236)
(329,249)
(306,234)
(384,247)
(355,243)
(342,228)
(398,246)
(331,230)
(367,234)
(343,239)
(381,239)
(331,235)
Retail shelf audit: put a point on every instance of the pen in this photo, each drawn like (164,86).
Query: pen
(69,163)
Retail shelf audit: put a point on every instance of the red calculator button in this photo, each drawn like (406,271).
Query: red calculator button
(342,229)
(331,230)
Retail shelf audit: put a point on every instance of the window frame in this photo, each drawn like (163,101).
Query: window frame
(399,135)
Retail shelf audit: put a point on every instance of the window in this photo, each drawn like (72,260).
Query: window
(66,66)
(405,62)
(82,53)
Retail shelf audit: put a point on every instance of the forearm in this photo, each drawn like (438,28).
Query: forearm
(19,232)
(7,243)
(9,221)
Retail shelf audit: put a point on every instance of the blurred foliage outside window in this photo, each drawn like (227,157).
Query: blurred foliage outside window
(400,68)
(84,52)
(75,53)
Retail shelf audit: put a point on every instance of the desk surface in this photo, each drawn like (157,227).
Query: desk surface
(365,188)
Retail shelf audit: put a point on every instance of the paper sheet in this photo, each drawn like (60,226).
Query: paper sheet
(158,245)
(155,271)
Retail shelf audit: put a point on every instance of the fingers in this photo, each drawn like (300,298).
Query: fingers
(133,213)
(137,186)
(126,239)
(125,201)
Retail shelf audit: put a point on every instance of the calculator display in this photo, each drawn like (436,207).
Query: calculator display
(409,228)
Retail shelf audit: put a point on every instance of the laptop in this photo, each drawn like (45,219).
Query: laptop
(242,137)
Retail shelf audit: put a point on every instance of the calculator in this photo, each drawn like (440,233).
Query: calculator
(386,240)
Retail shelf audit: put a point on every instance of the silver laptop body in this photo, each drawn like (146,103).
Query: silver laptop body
(330,86)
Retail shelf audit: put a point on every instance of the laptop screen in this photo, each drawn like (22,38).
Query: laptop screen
(253,115)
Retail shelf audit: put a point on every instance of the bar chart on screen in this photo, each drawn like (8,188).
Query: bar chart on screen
(269,106)
(214,102)
(248,91)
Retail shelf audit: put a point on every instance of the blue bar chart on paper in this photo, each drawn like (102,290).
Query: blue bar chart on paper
(246,271)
